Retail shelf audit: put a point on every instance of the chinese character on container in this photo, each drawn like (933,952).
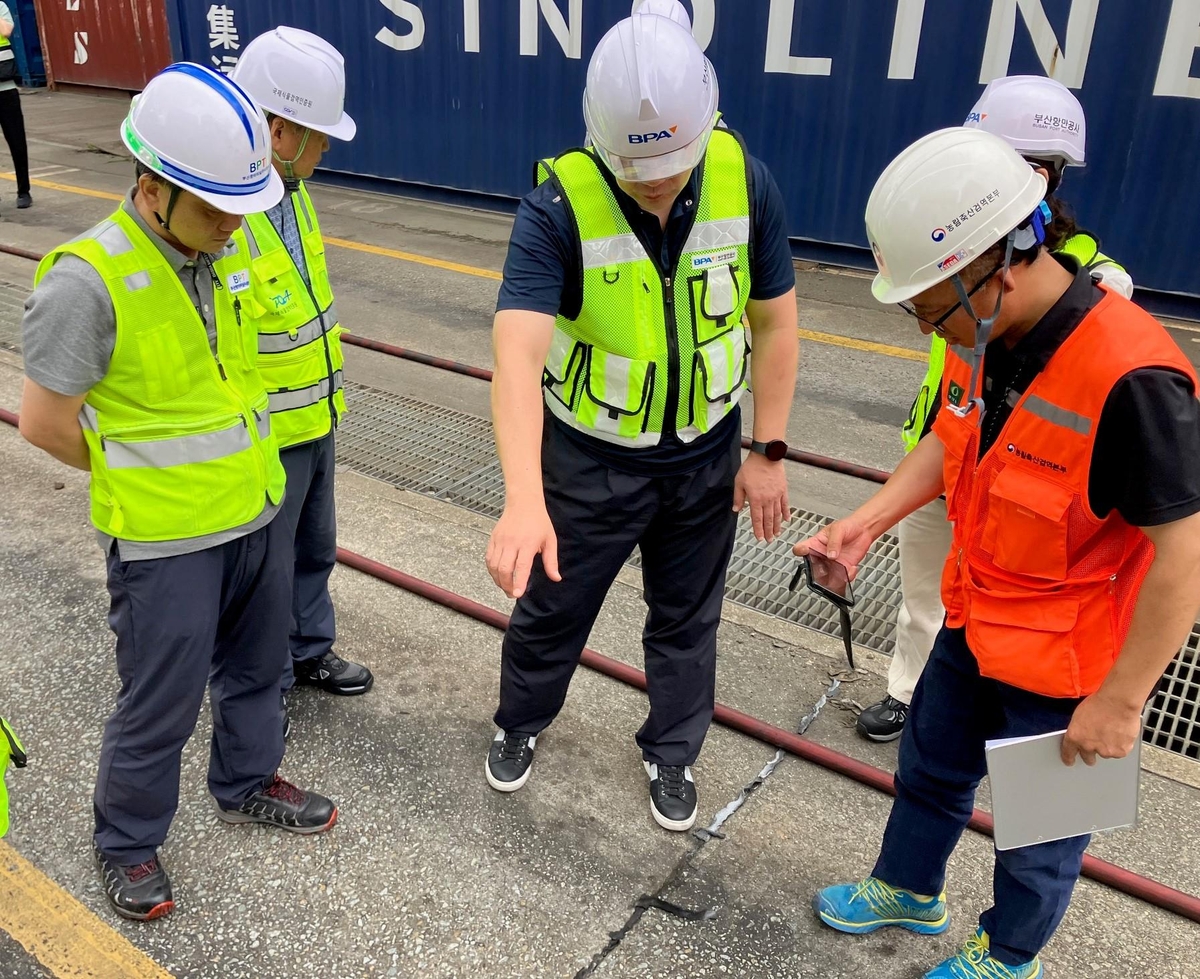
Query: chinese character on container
(223,36)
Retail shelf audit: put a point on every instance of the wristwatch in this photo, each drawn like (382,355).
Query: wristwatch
(774,450)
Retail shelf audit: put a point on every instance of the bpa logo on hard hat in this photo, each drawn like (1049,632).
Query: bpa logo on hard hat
(652,137)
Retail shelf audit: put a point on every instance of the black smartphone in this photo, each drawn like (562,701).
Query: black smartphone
(827,578)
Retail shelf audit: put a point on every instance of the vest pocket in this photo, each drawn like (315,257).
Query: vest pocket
(164,366)
(1025,639)
(718,376)
(564,364)
(617,393)
(1026,528)
(716,295)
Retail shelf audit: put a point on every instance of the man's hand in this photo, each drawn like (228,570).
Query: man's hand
(845,540)
(1101,727)
(520,535)
(763,484)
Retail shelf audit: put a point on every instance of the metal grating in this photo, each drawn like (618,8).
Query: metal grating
(451,456)
(12,308)
(1173,721)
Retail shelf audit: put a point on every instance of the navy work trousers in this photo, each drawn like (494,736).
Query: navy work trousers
(685,527)
(308,510)
(217,619)
(954,712)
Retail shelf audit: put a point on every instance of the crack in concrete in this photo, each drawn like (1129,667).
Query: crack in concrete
(701,838)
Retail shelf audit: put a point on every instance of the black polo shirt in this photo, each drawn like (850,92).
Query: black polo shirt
(1146,463)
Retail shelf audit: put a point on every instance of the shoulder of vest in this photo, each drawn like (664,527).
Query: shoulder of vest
(1116,338)
(546,168)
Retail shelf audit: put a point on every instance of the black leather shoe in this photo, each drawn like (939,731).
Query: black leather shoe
(333,674)
(282,804)
(883,721)
(509,761)
(672,796)
(140,892)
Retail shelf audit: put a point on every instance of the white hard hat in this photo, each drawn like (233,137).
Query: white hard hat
(651,99)
(941,204)
(1037,116)
(299,76)
(195,128)
(671,9)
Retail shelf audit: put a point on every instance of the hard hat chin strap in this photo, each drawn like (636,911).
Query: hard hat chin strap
(172,200)
(288,173)
(983,333)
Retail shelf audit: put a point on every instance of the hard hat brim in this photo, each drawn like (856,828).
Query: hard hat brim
(243,204)
(647,168)
(344,129)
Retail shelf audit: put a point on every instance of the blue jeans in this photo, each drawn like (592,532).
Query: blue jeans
(954,711)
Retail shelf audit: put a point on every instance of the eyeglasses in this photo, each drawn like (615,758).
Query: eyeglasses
(937,324)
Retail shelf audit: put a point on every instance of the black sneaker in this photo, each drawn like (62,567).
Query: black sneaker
(883,721)
(282,804)
(509,761)
(140,892)
(672,796)
(333,675)
(24,201)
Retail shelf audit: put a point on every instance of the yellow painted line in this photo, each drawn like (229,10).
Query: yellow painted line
(355,246)
(436,263)
(850,343)
(853,343)
(104,195)
(64,936)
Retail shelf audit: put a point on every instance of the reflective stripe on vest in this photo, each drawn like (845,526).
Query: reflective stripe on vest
(179,440)
(1045,588)
(1083,247)
(303,397)
(298,342)
(609,370)
(179,451)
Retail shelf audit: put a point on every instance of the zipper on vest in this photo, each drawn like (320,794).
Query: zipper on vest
(671,408)
(237,310)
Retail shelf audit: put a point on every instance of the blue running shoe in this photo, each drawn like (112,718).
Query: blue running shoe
(975,962)
(871,904)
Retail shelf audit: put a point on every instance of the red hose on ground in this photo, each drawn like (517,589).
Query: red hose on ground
(1118,878)
(21,253)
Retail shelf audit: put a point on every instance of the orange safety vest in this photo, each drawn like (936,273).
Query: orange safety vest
(1045,588)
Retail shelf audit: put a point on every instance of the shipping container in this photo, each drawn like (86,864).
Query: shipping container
(27,45)
(104,43)
(465,94)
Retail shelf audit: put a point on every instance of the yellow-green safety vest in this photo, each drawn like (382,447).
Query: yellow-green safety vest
(10,751)
(653,349)
(299,346)
(179,439)
(1082,247)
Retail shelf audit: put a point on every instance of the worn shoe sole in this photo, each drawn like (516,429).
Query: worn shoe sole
(235,818)
(512,786)
(675,825)
(158,911)
(879,738)
(916,925)
(336,691)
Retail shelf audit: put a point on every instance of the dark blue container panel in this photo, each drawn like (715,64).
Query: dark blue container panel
(27,45)
(445,96)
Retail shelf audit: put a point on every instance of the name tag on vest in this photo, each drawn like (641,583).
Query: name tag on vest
(714,258)
(239,281)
